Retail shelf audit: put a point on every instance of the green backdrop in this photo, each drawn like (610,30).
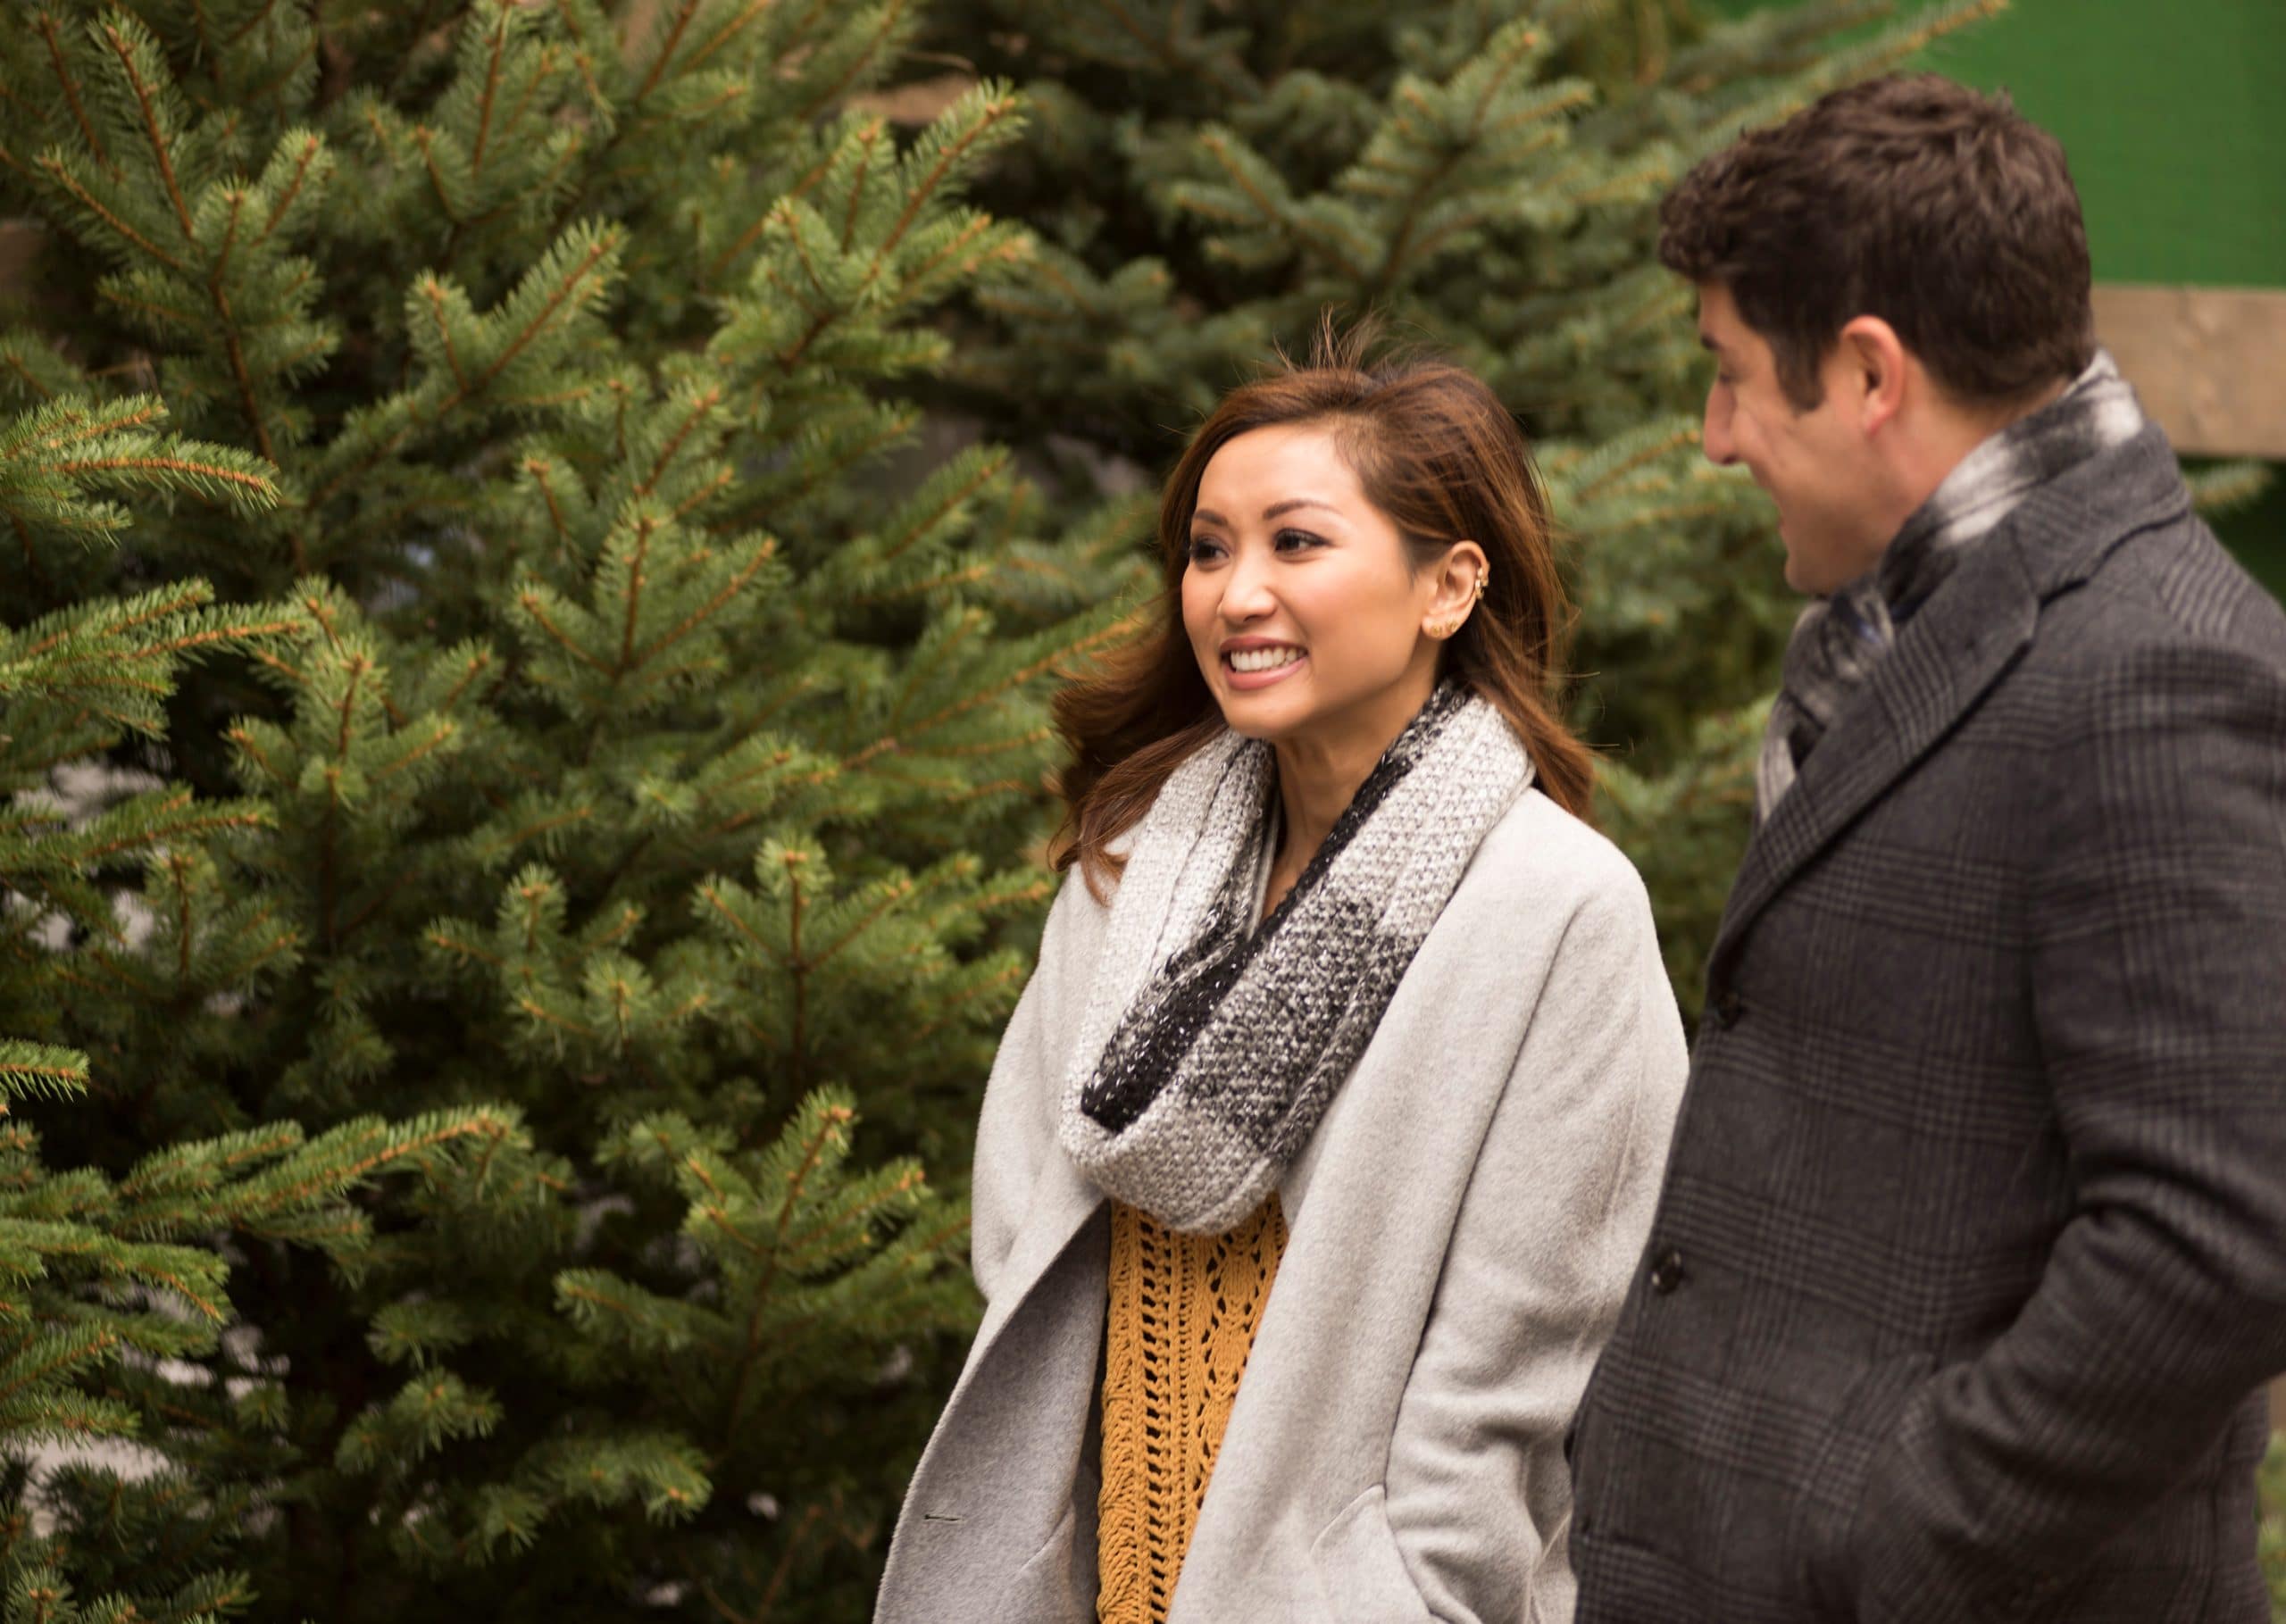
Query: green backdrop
(2174,120)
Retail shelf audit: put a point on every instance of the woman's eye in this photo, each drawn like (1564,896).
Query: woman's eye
(1204,549)
(1293,541)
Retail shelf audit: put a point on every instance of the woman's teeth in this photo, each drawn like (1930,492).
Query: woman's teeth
(1263,658)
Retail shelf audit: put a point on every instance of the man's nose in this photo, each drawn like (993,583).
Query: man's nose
(1714,430)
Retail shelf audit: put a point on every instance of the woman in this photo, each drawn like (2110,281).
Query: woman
(1322,1144)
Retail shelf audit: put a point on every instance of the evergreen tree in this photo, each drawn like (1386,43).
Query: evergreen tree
(517,736)
(1210,179)
(116,1322)
(491,808)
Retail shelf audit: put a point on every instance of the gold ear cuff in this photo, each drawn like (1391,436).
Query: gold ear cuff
(1452,624)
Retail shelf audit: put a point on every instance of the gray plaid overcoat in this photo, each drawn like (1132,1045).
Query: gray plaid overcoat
(1971,1253)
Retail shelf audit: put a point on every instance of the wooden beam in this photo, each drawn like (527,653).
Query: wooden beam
(918,102)
(2209,363)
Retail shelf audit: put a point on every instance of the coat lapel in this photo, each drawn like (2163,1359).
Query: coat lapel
(1945,658)
(1063,1201)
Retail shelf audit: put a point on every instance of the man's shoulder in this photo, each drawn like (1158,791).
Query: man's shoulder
(2169,585)
(2119,561)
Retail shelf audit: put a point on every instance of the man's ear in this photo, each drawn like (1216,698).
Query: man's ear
(1875,360)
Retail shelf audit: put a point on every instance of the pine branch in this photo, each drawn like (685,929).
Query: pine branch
(44,22)
(126,53)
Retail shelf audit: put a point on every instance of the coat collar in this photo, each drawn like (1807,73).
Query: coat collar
(1946,657)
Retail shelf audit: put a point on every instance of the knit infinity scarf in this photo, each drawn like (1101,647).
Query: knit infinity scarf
(1210,1048)
(1838,640)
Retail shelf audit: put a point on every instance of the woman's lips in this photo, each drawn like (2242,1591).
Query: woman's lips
(1249,681)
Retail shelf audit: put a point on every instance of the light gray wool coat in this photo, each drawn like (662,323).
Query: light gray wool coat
(1462,1227)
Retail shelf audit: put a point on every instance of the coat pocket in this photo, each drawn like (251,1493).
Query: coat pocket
(1362,1579)
(1825,1509)
(1058,1585)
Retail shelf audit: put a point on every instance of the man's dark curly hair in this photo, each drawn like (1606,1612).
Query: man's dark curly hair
(1942,211)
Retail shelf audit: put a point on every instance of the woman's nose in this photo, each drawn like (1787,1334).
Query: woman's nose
(1246,590)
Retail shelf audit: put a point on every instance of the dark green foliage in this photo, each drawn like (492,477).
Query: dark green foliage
(510,753)
(119,1324)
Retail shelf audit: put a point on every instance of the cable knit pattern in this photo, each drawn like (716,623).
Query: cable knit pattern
(1211,1048)
(1181,1323)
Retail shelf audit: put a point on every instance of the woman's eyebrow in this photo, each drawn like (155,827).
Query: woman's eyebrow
(1207,515)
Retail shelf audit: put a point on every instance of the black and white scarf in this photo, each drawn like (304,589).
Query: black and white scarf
(1839,639)
(1211,1046)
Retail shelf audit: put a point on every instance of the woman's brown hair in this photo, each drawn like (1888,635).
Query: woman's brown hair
(1433,449)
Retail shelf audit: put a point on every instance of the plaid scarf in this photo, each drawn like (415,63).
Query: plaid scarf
(1840,640)
(1210,1046)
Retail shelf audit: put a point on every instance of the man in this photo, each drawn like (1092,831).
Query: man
(1970,1257)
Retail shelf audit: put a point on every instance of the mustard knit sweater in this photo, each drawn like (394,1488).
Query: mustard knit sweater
(1182,1319)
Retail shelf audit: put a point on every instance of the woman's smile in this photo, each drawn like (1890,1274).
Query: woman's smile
(1255,663)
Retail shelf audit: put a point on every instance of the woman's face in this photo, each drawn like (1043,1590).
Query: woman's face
(1297,597)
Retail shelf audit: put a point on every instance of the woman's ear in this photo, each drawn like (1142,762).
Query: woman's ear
(1461,578)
